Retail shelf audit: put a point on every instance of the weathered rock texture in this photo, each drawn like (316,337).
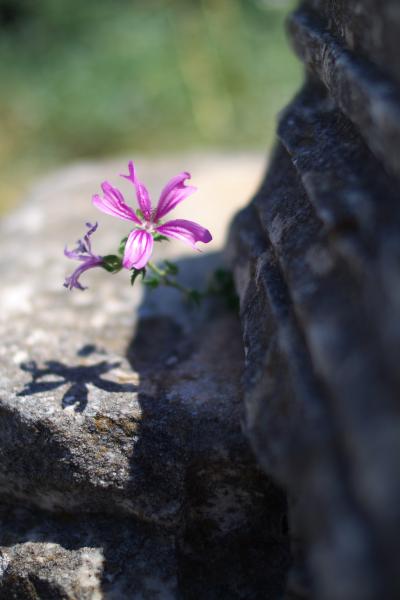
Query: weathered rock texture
(124,472)
(317,264)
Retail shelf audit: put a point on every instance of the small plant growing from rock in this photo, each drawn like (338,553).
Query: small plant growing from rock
(135,249)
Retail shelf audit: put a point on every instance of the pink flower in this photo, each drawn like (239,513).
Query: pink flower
(147,220)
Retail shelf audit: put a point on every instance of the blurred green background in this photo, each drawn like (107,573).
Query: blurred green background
(97,78)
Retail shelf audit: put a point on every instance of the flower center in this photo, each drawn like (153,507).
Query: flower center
(148,226)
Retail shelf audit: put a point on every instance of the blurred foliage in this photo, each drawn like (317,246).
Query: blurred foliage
(96,78)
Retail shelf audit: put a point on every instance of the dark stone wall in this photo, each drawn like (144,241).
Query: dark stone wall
(362,89)
(317,265)
(370,28)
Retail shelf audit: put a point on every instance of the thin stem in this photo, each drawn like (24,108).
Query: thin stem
(155,269)
(166,280)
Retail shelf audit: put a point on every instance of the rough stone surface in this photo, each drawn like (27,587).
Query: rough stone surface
(360,88)
(368,28)
(124,472)
(316,261)
(64,556)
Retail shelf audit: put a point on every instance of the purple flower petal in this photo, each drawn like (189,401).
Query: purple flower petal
(89,233)
(138,249)
(75,254)
(173,193)
(185,231)
(113,203)
(142,194)
(82,252)
(84,246)
(89,263)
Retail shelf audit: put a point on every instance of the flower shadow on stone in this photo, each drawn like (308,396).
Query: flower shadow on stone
(76,377)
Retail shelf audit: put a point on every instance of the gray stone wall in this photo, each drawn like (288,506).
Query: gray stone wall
(317,262)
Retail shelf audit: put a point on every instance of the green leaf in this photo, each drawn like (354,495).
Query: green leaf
(223,285)
(157,237)
(152,282)
(112,263)
(122,244)
(195,297)
(135,273)
(171,268)
(140,214)
(224,277)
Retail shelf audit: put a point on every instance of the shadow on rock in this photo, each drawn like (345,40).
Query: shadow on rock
(76,378)
(191,515)
(229,520)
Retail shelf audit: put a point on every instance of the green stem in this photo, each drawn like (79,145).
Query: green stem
(155,269)
(166,280)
